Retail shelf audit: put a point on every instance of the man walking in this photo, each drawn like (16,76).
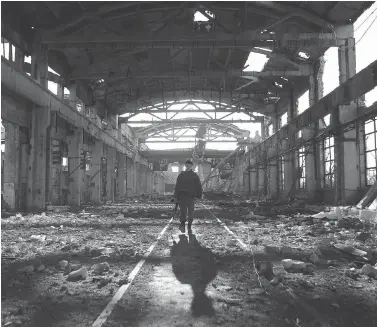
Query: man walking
(187,188)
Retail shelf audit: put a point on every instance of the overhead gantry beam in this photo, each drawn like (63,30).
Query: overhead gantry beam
(211,121)
(146,132)
(247,39)
(303,70)
(159,103)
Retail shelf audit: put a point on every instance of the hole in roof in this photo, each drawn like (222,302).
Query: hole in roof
(255,62)
(278,85)
(100,80)
(199,17)
(285,79)
(304,55)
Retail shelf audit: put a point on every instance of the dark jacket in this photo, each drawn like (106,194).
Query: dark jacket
(188,185)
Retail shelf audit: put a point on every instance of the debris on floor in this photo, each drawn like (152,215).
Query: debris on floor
(87,254)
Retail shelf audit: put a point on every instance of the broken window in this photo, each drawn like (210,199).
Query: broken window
(371,150)
(328,154)
(301,168)
(283,120)
(281,173)
(255,62)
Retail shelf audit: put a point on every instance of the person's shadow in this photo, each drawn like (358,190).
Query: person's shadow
(194,264)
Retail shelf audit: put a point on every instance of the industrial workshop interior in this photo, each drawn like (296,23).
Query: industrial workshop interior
(187,163)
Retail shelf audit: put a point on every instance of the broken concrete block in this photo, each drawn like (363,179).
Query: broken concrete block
(332,215)
(314,258)
(231,242)
(266,269)
(104,281)
(41,268)
(100,268)
(63,264)
(77,275)
(363,236)
(28,269)
(369,270)
(272,250)
(293,266)
(39,238)
(368,216)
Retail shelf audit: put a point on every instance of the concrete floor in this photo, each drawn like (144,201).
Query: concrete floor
(211,262)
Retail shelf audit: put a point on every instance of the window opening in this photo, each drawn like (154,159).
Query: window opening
(328,154)
(301,168)
(281,173)
(371,150)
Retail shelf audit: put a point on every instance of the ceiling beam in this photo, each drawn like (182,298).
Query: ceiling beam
(207,121)
(304,70)
(188,141)
(193,40)
(297,11)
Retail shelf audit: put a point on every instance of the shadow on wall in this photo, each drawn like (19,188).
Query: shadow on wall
(194,264)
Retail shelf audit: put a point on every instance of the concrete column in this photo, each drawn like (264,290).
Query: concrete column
(122,175)
(111,156)
(273,191)
(19,56)
(76,171)
(347,174)
(289,159)
(60,91)
(40,121)
(72,95)
(260,180)
(315,93)
(39,64)
(130,177)
(95,173)
(11,164)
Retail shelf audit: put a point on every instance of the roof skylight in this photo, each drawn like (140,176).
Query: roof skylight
(199,17)
(255,62)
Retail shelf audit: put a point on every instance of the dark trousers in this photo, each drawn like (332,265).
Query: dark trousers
(186,206)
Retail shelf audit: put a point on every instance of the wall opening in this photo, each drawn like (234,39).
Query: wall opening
(328,154)
(371,150)
(301,168)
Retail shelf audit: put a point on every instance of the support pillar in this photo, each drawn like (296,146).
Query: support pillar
(347,173)
(121,175)
(95,172)
(315,94)
(289,159)
(39,65)
(75,169)
(273,191)
(19,56)
(261,175)
(11,165)
(110,186)
(40,121)
(72,95)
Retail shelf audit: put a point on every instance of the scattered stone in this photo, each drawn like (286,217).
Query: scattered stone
(276,280)
(100,268)
(77,275)
(314,258)
(104,281)
(265,268)
(274,250)
(39,238)
(41,268)
(293,266)
(335,305)
(369,270)
(363,236)
(231,242)
(28,269)
(123,281)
